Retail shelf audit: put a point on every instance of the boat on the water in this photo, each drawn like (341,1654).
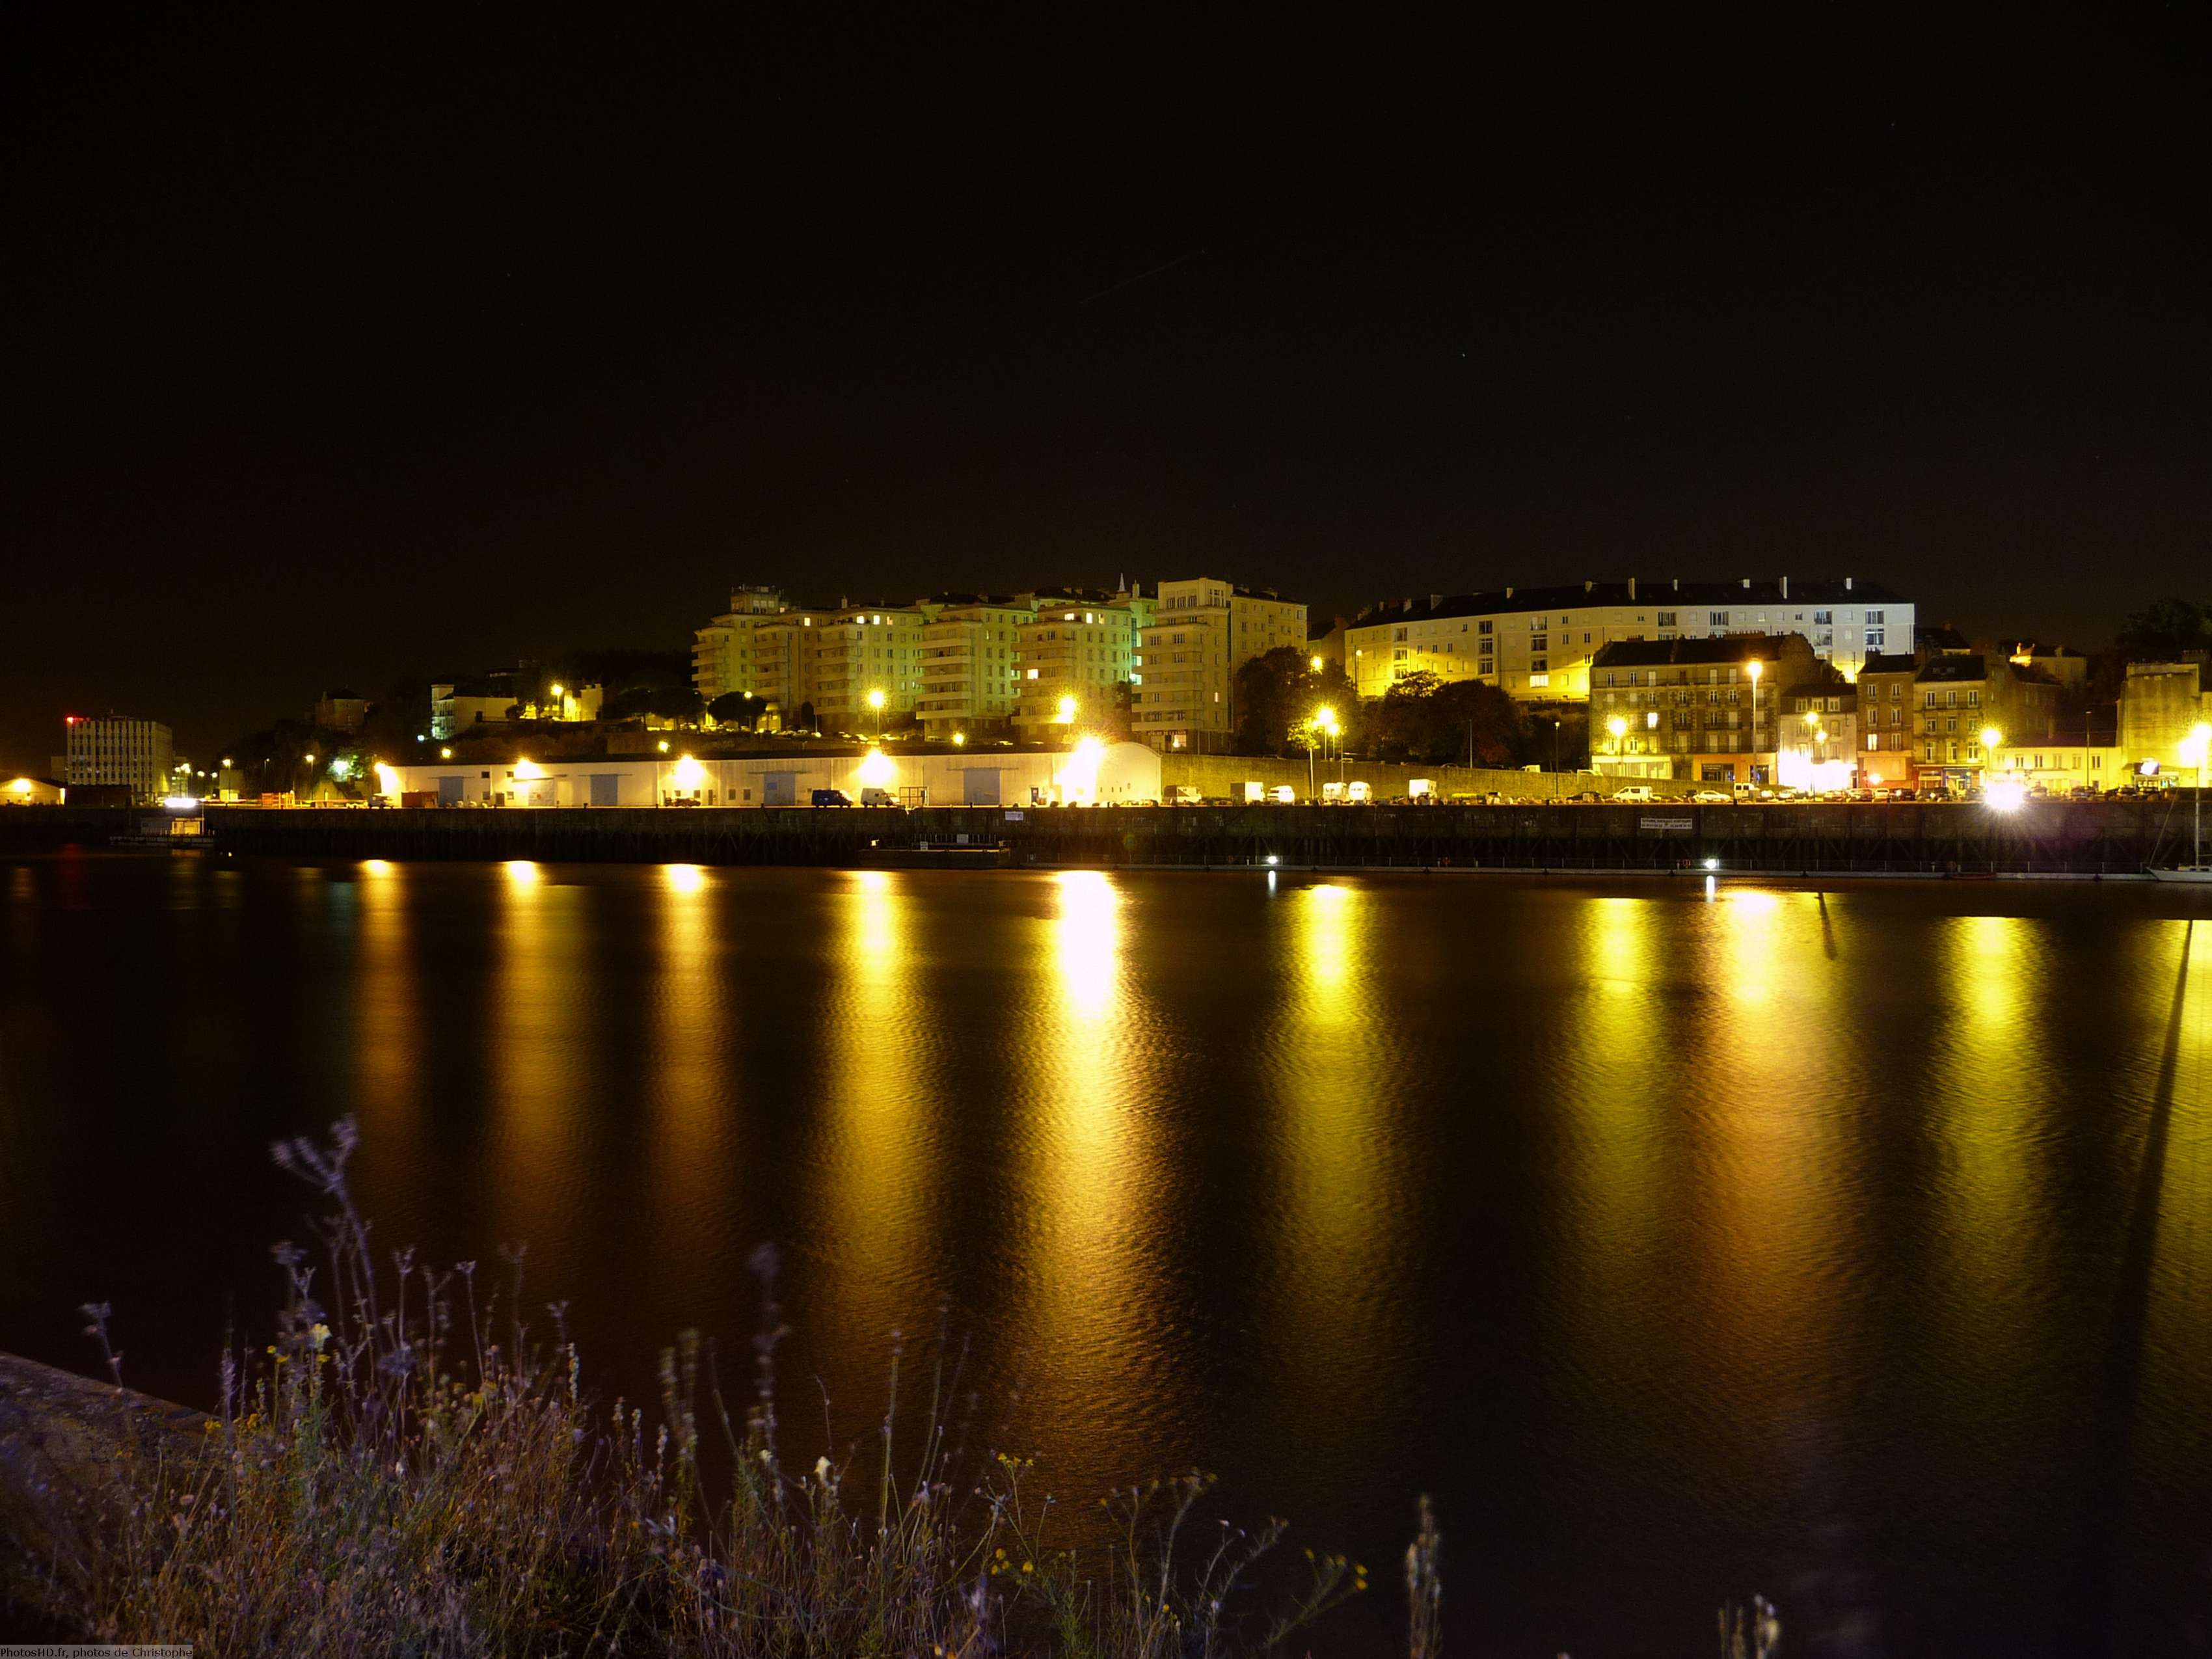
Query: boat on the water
(2196,872)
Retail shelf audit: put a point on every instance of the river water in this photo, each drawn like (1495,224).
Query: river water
(1682,1240)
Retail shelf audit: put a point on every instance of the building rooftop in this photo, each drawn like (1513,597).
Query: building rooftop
(1660,592)
(1891,662)
(1728,648)
(1954,667)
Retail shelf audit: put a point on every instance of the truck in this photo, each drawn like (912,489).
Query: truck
(832,797)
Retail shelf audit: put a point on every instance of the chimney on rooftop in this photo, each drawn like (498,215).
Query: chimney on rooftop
(1631,590)
(1509,593)
(1588,585)
(1746,584)
(1785,587)
(1847,584)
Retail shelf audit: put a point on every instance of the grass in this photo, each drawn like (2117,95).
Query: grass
(407,1469)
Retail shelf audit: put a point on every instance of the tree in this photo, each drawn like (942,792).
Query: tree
(2166,630)
(668,703)
(1278,695)
(737,708)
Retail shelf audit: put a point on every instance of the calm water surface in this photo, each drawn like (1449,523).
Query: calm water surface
(1682,1241)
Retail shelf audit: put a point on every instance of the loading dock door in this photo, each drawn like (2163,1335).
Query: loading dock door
(606,788)
(979,786)
(779,789)
(449,791)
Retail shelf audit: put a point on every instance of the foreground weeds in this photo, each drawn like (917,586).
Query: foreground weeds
(404,1469)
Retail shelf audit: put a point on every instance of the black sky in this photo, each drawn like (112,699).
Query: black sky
(346,346)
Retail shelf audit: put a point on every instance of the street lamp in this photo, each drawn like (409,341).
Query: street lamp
(559,692)
(1990,739)
(1066,716)
(1756,669)
(1328,723)
(876,702)
(2199,743)
(960,737)
(1316,665)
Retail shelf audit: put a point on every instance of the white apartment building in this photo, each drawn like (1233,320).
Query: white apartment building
(116,749)
(726,654)
(1537,643)
(1081,648)
(1201,632)
(860,653)
(969,681)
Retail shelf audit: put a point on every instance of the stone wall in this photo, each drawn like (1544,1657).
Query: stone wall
(1223,777)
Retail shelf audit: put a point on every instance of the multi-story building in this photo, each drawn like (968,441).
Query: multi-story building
(969,677)
(1202,631)
(1703,709)
(341,711)
(860,653)
(2069,667)
(1886,720)
(116,749)
(459,706)
(2162,703)
(726,654)
(1817,738)
(1075,653)
(1538,643)
(1973,707)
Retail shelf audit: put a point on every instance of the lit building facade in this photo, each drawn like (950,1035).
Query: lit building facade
(1886,724)
(968,675)
(1539,644)
(116,749)
(1960,696)
(1075,654)
(2160,703)
(1706,710)
(861,653)
(1817,738)
(726,654)
(1202,631)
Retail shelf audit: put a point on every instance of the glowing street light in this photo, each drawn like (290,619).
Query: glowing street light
(1316,665)
(1755,669)
(960,737)
(1066,716)
(1325,719)
(876,702)
(444,753)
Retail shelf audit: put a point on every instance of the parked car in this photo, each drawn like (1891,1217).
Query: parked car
(873,797)
(1633,792)
(832,797)
(1712,798)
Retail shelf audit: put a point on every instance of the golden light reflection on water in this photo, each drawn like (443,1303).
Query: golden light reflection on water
(1766,1185)
(1096,1161)
(1987,1062)
(538,1049)
(690,1040)
(1619,1100)
(1340,1198)
(388,1018)
(882,1110)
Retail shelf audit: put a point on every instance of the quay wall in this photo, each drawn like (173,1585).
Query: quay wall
(2105,837)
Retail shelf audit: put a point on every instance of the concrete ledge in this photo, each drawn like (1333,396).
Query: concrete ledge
(61,1438)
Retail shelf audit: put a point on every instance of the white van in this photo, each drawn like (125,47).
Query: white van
(1634,791)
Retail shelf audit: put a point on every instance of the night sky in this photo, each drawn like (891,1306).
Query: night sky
(335,355)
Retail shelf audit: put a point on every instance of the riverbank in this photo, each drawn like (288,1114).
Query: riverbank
(2107,839)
